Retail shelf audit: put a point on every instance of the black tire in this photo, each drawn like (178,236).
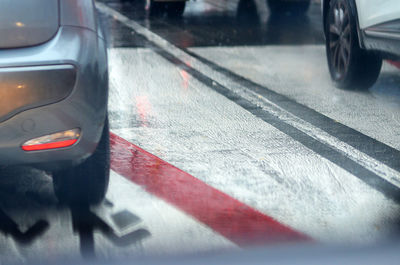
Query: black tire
(295,8)
(350,66)
(86,183)
(155,9)
(175,9)
(246,12)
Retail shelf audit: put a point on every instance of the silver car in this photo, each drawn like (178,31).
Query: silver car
(53,94)
(359,34)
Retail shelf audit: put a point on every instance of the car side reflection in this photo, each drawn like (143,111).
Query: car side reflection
(29,210)
(9,227)
(85,223)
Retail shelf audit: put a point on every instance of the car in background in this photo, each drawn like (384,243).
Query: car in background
(54,93)
(295,7)
(359,34)
(175,8)
(155,8)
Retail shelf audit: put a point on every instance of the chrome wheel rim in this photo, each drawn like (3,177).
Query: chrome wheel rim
(339,39)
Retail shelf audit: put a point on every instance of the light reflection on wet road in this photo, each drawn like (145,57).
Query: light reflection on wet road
(243,105)
(248,62)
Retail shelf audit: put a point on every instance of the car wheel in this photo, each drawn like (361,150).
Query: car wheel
(175,9)
(282,6)
(154,9)
(87,182)
(349,65)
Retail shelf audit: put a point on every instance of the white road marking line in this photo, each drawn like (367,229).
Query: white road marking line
(237,153)
(357,156)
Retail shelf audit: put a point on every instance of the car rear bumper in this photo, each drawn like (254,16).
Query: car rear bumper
(62,85)
(23,88)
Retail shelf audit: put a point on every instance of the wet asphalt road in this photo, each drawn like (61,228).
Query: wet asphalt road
(241,101)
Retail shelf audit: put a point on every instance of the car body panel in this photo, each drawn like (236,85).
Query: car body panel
(378,25)
(85,107)
(23,88)
(78,14)
(374,12)
(26,22)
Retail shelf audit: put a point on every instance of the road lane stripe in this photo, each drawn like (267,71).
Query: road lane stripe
(395,63)
(375,150)
(368,159)
(327,151)
(234,220)
(364,150)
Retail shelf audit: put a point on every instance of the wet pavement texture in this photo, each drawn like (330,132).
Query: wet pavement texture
(225,126)
(239,104)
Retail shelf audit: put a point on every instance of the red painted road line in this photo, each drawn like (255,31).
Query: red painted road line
(222,213)
(395,63)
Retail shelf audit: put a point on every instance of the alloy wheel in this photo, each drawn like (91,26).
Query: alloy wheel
(339,39)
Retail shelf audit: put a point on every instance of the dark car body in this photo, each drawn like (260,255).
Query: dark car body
(53,78)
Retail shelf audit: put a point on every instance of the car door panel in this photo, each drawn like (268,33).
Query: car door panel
(374,12)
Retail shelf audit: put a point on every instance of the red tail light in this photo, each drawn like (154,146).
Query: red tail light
(53,141)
